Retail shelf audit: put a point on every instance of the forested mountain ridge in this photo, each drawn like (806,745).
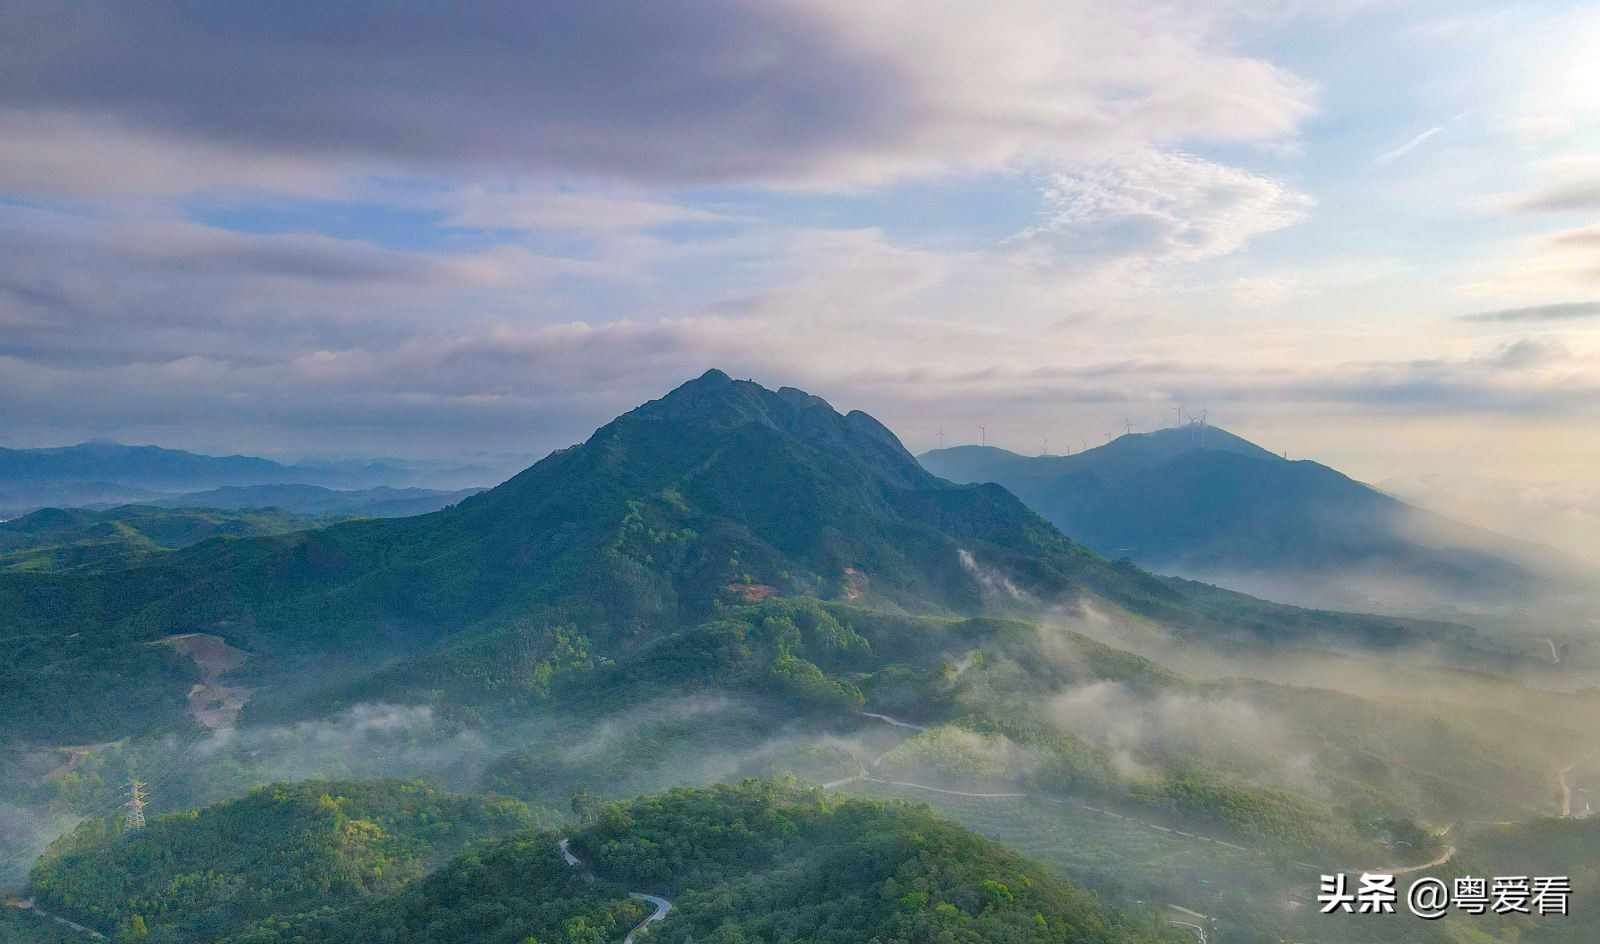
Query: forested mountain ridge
(380,502)
(76,538)
(720,492)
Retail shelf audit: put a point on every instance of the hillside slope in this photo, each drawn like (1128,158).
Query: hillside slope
(755,862)
(281,850)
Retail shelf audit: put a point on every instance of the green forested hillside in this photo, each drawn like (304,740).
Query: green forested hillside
(759,862)
(512,891)
(755,862)
(281,850)
(1549,847)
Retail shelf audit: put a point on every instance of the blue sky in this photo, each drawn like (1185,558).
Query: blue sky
(443,230)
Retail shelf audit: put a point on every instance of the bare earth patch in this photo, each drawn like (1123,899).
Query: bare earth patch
(212,703)
(855,583)
(754,592)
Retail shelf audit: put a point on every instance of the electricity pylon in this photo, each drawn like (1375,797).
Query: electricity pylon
(134,817)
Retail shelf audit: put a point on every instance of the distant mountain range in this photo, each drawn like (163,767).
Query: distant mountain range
(380,502)
(142,467)
(1227,511)
(102,475)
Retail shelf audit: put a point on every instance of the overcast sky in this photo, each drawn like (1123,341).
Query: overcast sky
(1364,232)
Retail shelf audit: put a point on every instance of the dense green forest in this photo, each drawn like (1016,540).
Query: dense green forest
(281,850)
(764,862)
(509,892)
(761,861)
(21,927)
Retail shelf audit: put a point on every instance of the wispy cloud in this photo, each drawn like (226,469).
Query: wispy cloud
(1558,312)
(1406,148)
(1157,206)
(1565,197)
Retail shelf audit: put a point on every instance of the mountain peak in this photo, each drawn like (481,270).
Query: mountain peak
(805,499)
(712,377)
(1123,455)
(718,401)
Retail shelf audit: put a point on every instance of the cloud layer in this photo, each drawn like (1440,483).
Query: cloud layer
(429,228)
(818,93)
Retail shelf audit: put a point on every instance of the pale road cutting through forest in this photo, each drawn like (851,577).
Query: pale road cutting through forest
(662,905)
(891,721)
(27,904)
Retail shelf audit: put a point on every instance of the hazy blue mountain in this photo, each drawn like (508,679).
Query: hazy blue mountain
(1119,457)
(140,466)
(1233,513)
(106,474)
(17,500)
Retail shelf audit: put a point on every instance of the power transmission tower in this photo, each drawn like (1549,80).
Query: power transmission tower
(134,817)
